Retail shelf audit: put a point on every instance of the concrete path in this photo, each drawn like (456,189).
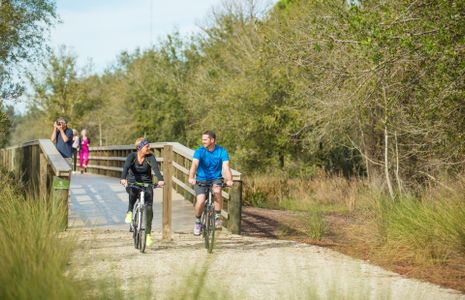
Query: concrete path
(101,202)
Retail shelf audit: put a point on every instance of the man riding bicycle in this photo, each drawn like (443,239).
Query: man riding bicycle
(207,164)
(137,170)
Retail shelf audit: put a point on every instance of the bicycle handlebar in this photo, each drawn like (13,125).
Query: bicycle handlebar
(209,185)
(142,187)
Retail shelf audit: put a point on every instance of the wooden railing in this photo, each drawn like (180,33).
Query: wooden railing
(174,160)
(41,168)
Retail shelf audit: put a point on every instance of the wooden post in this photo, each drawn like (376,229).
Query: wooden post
(167,191)
(43,176)
(59,199)
(235,208)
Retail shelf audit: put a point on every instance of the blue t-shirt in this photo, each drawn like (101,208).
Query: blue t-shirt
(210,162)
(65,149)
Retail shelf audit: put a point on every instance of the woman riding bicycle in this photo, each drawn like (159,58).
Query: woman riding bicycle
(138,170)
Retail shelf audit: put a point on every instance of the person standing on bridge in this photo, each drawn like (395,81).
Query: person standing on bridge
(208,162)
(63,136)
(84,143)
(138,169)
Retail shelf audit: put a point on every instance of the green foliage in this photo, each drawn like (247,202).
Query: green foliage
(22,32)
(312,84)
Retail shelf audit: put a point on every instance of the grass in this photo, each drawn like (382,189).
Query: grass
(35,253)
(33,256)
(316,225)
(416,231)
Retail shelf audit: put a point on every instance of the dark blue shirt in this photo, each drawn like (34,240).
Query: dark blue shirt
(65,149)
(210,162)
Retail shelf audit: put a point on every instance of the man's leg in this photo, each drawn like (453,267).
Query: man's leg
(218,205)
(74,159)
(198,208)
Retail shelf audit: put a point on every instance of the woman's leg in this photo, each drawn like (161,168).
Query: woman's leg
(132,198)
(81,158)
(149,205)
(86,158)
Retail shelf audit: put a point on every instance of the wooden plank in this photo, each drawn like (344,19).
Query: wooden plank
(180,168)
(167,191)
(56,161)
(115,158)
(105,168)
(183,185)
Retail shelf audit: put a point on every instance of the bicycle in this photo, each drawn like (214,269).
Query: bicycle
(139,217)
(208,217)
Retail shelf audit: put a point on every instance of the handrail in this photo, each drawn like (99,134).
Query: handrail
(43,170)
(57,162)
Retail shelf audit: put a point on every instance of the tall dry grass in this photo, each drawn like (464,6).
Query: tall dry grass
(427,226)
(33,253)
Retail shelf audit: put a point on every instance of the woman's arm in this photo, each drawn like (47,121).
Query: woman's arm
(127,165)
(156,170)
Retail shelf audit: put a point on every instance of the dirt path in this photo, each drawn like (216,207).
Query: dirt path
(240,268)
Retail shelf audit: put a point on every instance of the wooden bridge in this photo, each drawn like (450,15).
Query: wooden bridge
(97,200)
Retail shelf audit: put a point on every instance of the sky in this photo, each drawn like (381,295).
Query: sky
(97,31)
(100,30)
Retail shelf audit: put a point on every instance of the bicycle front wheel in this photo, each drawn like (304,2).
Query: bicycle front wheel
(211,222)
(142,240)
(143,230)
(135,233)
(205,228)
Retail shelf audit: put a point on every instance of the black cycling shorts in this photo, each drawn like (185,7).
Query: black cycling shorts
(199,190)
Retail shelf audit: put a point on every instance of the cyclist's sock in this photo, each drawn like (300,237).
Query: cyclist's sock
(197,220)
(217,214)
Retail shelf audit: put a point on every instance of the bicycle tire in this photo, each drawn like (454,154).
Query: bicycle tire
(143,231)
(142,240)
(205,228)
(136,229)
(212,232)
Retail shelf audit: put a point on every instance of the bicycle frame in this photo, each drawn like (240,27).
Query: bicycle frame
(138,224)
(208,217)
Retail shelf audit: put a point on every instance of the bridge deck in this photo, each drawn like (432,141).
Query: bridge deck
(100,201)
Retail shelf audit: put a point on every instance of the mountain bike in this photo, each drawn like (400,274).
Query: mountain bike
(208,216)
(139,217)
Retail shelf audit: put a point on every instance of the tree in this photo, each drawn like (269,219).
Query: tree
(23,25)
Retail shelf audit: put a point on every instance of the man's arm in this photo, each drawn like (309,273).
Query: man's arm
(193,170)
(54,132)
(63,135)
(227,173)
